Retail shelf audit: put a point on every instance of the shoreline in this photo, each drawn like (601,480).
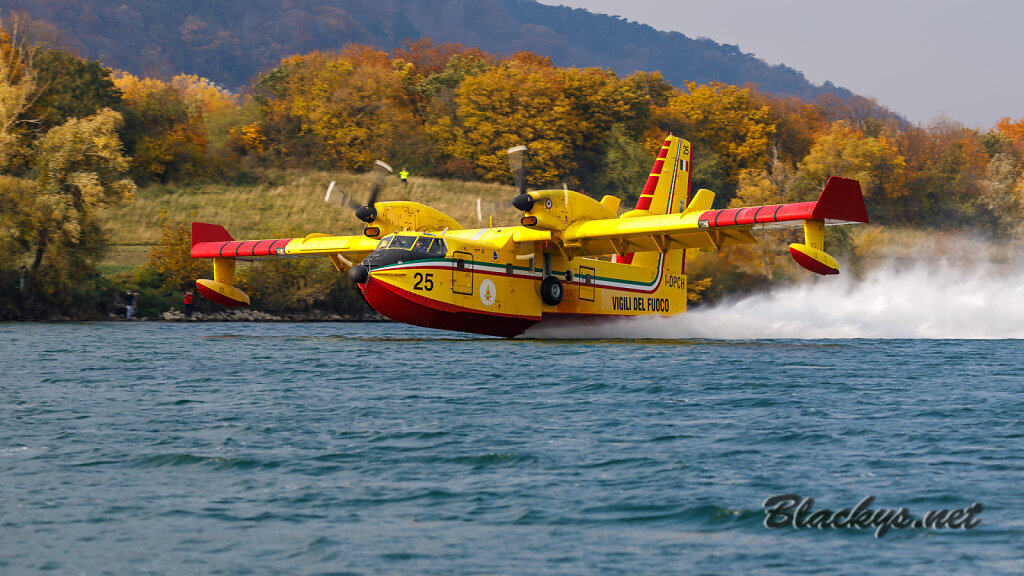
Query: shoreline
(222,316)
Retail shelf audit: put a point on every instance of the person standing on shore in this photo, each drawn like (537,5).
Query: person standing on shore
(23,273)
(129,302)
(188,304)
(404,175)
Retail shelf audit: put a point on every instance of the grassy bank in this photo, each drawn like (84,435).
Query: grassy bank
(286,203)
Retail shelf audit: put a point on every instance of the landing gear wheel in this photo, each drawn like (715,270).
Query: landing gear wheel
(551,291)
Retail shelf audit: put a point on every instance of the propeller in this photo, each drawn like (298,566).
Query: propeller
(517,161)
(368,213)
(365,212)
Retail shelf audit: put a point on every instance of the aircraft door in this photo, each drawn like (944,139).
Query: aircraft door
(462,273)
(585,278)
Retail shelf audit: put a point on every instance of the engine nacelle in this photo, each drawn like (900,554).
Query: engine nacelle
(557,209)
(391,217)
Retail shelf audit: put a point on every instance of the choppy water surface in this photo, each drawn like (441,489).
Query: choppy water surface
(151,448)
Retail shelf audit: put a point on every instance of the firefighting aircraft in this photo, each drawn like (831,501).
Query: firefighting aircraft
(571,257)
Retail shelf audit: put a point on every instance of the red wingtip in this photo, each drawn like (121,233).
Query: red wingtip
(202,232)
(841,199)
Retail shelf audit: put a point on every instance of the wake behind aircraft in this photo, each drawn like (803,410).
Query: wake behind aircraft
(571,257)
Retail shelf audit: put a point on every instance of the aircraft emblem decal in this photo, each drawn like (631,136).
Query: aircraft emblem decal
(488,292)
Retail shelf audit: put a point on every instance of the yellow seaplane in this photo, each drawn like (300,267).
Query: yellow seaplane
(571,257)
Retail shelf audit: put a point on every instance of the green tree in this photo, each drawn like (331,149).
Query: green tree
(79,167)
(69,88)
(625,168)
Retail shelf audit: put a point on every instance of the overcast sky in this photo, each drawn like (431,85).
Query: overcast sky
(924,59)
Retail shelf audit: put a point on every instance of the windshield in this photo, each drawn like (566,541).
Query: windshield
(418,244)
(403,242)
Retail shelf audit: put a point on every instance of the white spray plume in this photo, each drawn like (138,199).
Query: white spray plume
(938,300)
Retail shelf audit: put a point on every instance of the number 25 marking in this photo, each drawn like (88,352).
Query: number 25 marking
(423,281)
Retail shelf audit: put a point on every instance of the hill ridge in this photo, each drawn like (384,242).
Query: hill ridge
(230,47)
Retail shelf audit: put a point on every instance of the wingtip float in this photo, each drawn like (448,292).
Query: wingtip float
(570,257)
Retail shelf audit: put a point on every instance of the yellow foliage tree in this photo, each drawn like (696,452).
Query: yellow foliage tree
(509,105)
(352,103)
(171,138)
(728,119)
(845,151)
(17,85)
(208,98)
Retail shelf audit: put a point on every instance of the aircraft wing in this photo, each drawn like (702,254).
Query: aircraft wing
(213,241)
(697,226)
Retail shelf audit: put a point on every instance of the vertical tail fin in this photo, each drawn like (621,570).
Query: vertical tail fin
(667,187)
(669,182)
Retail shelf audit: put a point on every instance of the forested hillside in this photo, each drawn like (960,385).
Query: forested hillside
(77,138)
(230,42)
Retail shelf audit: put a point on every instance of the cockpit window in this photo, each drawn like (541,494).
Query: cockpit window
(384,242)
(403,242)
(421,245)
(437,248)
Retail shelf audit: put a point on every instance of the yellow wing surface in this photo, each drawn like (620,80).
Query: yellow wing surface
(213,241)
(841,202)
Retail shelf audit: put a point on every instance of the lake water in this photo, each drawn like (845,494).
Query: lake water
(219,448)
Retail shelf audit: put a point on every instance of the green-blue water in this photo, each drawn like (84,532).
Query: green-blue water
(151,448)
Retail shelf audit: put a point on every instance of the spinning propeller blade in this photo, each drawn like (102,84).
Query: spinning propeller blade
(365,212)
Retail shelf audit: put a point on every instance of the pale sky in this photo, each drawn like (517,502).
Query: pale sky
(924,59)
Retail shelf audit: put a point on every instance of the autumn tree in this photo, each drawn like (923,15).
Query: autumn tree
(165,130)
(847,152)
(1014,131)
(436,109)
(730,129)
(945,164)
(345,108)
(519,102)
(600,100)
(78,168)
(171,257)
(17,90)
(764,187)
(1002,193)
